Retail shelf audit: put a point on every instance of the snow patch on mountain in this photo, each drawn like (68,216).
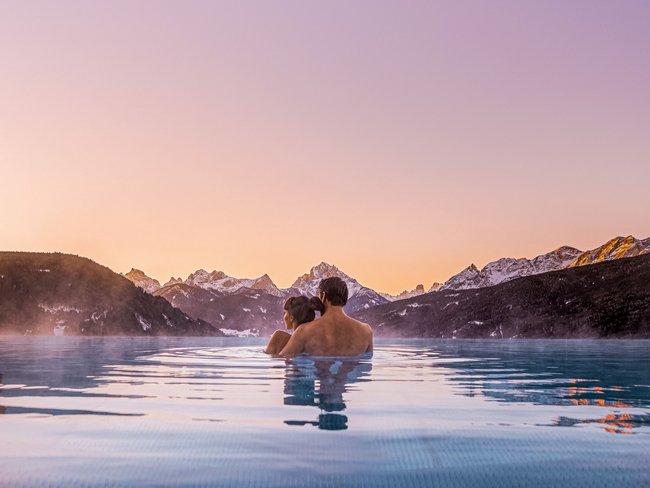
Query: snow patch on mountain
(143,323)
(58,308)
(240,333)
(506,269)
(221,282)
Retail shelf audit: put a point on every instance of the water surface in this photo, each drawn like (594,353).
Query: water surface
(219,412)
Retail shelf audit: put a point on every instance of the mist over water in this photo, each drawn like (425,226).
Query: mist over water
(218,411)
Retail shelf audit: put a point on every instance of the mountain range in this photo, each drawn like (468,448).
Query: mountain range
(254,306)
(46,293)
(506,269)
(610,298)
(249,306)
(61,294)
(493,273)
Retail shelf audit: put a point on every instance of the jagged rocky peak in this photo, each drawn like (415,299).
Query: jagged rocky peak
(467,278)
(214,280)
(358,295)
(173,281)
(265,284)
(265,279)
(201,276)
(566,250)
(506,269)
(616,248)
(555,259)
(221,282)
(419,290)
(308,283)
(140,279)
(435,287)
(321,271)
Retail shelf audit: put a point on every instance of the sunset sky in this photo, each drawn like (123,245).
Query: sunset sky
(401,141)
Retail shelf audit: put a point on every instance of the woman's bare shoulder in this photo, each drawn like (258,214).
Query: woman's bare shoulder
(280,332)
(278,340)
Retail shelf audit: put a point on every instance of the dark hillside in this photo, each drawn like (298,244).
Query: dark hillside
(54,293)
(608,299)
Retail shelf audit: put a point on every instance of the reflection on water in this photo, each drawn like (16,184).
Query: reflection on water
(321,382)
(416,413)
(572,373)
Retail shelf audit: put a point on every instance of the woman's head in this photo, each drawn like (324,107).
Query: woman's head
(299,310)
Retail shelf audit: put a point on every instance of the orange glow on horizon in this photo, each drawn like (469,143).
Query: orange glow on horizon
(382,140)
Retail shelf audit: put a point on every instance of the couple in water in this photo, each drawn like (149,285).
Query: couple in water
(332,334)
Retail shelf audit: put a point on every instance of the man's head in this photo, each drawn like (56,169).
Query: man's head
(333,291)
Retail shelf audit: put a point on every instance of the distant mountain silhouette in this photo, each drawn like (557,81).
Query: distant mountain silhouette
(249,305)
(619,247)
(607,299)
(62,294)
(506,269)
(249,310)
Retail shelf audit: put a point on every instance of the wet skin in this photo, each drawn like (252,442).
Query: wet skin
(280,338)
(333,334)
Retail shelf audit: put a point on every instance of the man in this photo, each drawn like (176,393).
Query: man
(334,333)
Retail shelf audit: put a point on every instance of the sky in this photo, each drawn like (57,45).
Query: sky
(400,141)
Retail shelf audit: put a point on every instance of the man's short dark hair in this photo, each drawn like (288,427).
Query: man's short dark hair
(335,289)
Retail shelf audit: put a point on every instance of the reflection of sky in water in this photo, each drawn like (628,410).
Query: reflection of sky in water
(219,411)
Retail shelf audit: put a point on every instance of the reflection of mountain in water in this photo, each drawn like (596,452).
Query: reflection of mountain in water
(65,368)
(570,373)
(321,382)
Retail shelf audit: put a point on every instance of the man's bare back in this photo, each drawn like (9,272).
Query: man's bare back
(333,334)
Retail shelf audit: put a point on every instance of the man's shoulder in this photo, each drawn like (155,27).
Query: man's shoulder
(361,324)
(313,323)
(308,327)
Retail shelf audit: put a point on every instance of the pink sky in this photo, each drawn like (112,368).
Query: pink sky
(401,141)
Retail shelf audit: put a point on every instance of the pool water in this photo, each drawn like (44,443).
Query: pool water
(220,412)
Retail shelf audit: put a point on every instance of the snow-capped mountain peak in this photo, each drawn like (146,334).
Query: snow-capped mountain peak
(307,284)
(265,284)
(618,247)
(140,279)
(221,282)
(203,279)
(470,277)
(506,269)
(359,296)
(173,281)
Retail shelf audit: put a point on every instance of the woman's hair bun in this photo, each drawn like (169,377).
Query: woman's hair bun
(316,304)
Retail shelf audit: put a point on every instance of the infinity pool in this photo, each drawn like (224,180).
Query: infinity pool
(220,412)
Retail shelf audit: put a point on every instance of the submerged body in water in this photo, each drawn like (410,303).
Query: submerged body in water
(333,334)
(220,412)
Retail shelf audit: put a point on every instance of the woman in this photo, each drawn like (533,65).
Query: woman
(297,311)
